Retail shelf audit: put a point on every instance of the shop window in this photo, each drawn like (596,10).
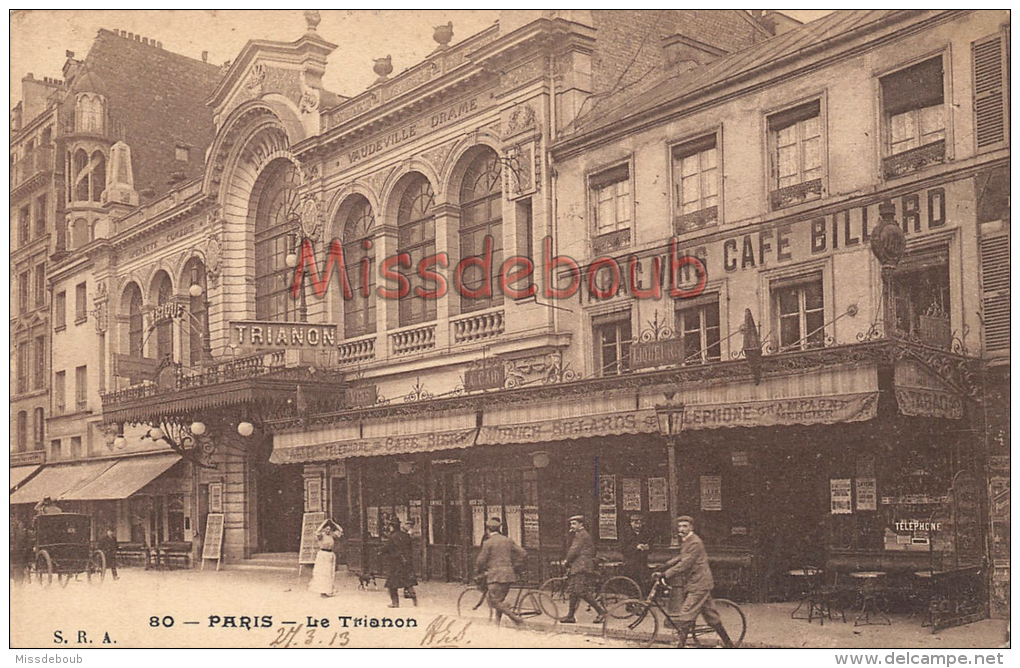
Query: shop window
(75,452)
(55,449)
(60,391)
(697,326)
(799,313)
(609,192)
(696,184)
(358,229)
(23,292)
(40,215)
(40,285)
(276,226)
(81,388)
(39,363)
(796,150)
(175,517)
(24,225)
(23,367)
(481,218)
(612,344)
(22,431)
(416,236)
(60,311)
(915,118)
(40,429)
(81,312)
(921,297)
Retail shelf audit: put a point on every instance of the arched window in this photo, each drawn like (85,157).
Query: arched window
(136,322)
(90,113)
(40,429)
(359,312)
(81,176)
(481,216)
(79,233)
(98,175)
(416,236)
(276,224)
(198,323)
(22,431)
(165,326)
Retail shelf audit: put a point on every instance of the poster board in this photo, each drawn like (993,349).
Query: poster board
(309,523)
(839,489)
(631,494)
(213,547)
(711,492)
(216,497)
(657,495)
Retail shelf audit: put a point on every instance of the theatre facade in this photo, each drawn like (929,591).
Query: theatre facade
(815,393)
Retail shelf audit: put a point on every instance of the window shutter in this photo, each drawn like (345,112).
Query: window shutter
(995,291)
(989,92)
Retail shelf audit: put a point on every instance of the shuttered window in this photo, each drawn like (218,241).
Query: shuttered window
(995,291)
(989,92)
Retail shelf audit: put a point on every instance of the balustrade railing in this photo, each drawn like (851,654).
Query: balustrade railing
(358,350)
(414,340)
(478,326)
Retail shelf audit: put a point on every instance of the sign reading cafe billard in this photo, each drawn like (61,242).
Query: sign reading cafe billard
(261,334)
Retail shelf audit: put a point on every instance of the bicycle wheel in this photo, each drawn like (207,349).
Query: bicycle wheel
(556,590)
(540,609)
(471,602)
(733,622)
(616,589)
(632,621)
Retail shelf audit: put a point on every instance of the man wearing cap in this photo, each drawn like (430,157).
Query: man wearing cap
(690,577)
(498,560)
(580,563)
(635,552)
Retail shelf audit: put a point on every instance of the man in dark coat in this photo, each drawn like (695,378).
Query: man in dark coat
(397,554)
(498,560)
(108,546)
(690,577)
(635,552)
(580,563)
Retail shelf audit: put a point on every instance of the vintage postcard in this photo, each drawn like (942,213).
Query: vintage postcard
(510,328)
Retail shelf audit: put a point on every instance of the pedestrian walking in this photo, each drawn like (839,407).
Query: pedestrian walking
(580,563)
(108,546)
(635,552)
(690,577)
(397,555)
(499,559)
(323,571)
(20,548)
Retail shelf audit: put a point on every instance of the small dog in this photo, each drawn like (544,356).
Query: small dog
(364,579)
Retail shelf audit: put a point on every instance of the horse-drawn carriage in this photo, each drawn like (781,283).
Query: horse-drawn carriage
(63,547)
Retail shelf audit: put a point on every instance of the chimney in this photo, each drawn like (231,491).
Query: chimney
(205,56)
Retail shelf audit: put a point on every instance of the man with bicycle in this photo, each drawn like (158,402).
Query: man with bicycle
(580,564)
(498,560)
(690,577)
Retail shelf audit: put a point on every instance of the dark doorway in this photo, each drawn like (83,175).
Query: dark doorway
(339,513)
(280,505)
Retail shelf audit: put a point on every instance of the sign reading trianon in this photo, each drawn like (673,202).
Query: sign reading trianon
(257,333)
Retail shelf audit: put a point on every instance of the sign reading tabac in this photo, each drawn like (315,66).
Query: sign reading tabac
(298,335)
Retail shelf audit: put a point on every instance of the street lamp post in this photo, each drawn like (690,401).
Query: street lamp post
(671,423)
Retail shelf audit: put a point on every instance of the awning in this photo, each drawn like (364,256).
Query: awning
(20,473)
(56,480)
(124,478)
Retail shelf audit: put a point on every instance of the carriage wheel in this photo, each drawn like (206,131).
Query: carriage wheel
(44,568)
(96,571)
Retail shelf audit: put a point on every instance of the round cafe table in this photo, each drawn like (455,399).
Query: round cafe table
(870,614)
(805,578)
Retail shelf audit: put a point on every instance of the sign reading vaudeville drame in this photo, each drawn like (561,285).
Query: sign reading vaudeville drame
(262,334)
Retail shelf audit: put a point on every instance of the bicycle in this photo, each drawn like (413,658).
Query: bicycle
(524,601)
(636,621)
(611,591)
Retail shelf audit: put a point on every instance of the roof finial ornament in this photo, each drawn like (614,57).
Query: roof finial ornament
(312,18)
(443,34)
(383,67)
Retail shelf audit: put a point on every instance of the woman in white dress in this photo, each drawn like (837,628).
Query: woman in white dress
(325,559)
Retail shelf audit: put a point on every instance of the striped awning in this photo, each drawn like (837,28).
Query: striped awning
(57,480)
(21,473)
(124,478)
